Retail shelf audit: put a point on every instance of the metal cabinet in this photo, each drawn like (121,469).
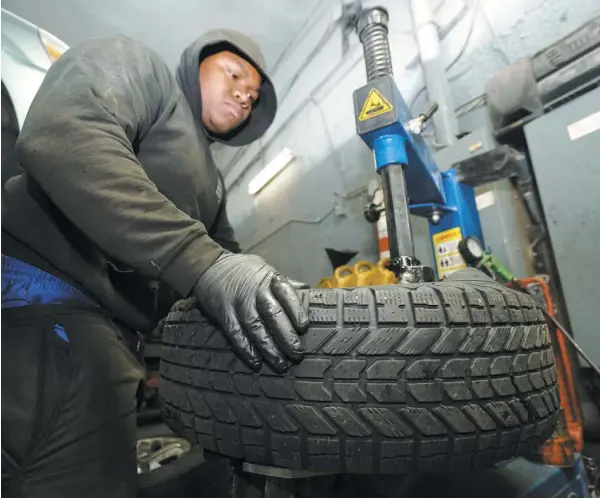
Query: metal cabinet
(564,148)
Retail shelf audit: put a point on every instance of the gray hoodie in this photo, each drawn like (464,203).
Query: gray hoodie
(120,194)
(187,76)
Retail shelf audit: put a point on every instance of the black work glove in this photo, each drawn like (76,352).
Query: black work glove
(296,284)
(256,308)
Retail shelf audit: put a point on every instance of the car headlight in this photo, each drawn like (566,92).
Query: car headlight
(54,47)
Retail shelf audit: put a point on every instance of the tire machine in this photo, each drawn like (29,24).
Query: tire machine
(411,180)
(412,183)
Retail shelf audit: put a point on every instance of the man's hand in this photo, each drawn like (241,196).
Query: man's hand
(256,308)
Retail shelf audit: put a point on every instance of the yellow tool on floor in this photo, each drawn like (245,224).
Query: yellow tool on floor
(361,274)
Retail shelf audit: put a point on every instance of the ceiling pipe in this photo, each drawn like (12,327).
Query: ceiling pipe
(434,72)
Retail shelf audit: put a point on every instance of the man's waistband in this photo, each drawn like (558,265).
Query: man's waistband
(25,285)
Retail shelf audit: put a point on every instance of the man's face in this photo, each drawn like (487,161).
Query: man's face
(230,87)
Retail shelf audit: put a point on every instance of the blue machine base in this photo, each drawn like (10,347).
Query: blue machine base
(459,212)
(517,478)
(540,481)
(460,208)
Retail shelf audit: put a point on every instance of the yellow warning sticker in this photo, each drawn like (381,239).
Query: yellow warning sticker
(375,105)
(447,256)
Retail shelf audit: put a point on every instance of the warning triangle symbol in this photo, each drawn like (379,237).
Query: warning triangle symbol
(374,105)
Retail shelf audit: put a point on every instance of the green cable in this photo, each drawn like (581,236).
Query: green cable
(490,262)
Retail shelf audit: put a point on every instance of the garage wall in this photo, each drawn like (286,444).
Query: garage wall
(317,201)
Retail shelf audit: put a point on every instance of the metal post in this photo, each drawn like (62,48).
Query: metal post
(396,208)
(372,27)
(434,71)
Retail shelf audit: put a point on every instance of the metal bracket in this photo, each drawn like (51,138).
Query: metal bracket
(493,165)
(427,210)
(268,471)
(253,481)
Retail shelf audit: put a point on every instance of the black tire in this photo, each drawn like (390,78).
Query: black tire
(445,375)
(191,472)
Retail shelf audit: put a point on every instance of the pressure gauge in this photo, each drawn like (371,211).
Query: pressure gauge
(471,249)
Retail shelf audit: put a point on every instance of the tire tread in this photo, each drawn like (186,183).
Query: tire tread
(398,379)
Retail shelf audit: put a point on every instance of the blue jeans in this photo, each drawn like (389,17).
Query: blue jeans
(69,385)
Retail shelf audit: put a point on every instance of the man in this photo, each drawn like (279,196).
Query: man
(120,210)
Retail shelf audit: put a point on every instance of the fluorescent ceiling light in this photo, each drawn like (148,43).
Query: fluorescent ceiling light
(270,171)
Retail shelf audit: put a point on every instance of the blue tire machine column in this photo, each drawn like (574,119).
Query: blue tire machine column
(410,178)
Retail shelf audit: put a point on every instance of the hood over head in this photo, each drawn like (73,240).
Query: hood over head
(219,40)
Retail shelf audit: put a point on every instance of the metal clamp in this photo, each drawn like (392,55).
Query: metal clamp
(252,480)
(268,471)
(409,270)
(417,125)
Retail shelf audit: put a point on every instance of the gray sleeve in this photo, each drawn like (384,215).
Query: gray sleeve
(78,143)
(222,232)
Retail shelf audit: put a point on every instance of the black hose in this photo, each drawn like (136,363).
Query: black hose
(569,337)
